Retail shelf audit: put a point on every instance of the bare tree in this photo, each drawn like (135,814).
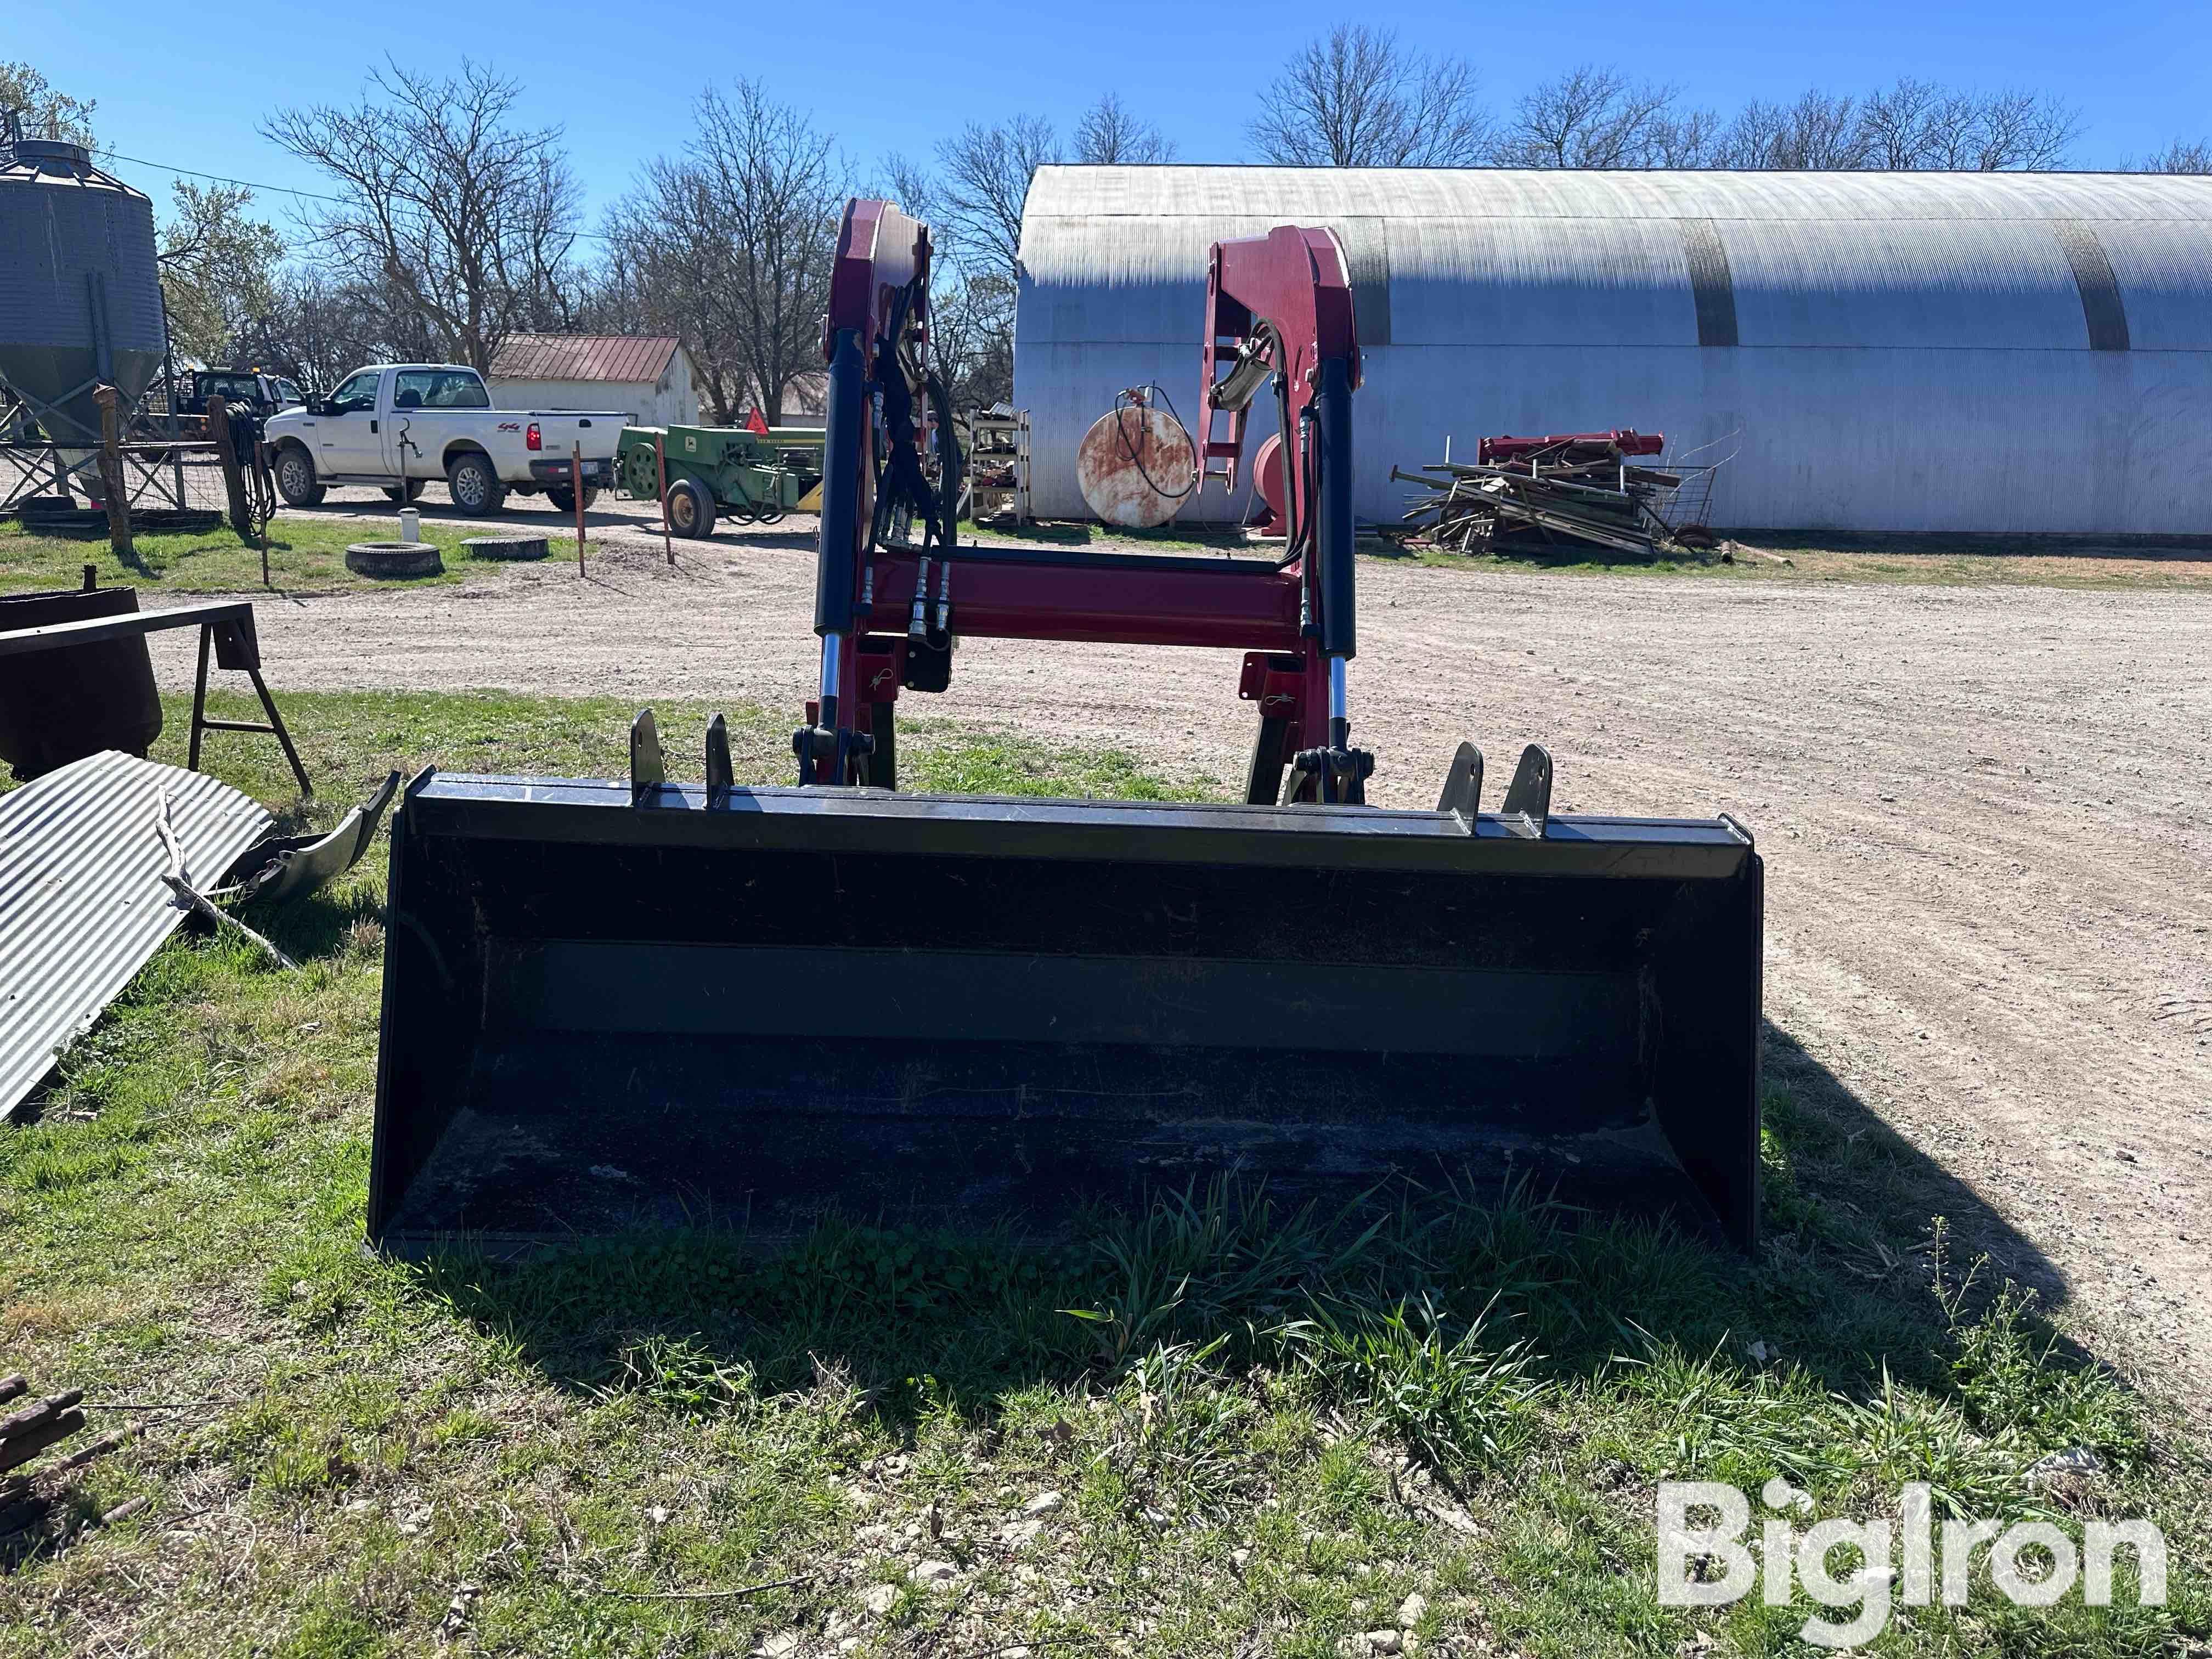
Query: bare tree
(668,271)
(317,330)
(729,248)
(1688,139)
(2179,157)
(1597,117)
(1357,98)
(782,188)
(983,179)
(1107,134)
(909,184)
(46,112)
(218,267)
(1820,131)
(1914,123)
(441,200)
(2014,130)
(971,330)
(1902,122)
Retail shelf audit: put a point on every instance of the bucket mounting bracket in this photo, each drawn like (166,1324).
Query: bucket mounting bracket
(1529,797)
(721,777)
(647,772)
(1463,790)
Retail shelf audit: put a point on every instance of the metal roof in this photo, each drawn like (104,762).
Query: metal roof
(1532,193)
(628,358)
(1525,257)
(81,901)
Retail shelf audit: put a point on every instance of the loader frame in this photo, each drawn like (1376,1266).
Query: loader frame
(1279,312)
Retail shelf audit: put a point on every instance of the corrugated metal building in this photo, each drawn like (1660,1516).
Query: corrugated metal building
(1909,351)
(647,374)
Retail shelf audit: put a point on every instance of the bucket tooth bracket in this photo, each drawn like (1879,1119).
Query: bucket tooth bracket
(1463,790)
(721,778)
(1529,797)
(647,771)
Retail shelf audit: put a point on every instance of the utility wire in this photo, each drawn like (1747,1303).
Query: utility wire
(275,190)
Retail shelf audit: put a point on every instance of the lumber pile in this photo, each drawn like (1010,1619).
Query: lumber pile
(30,1498)
(1586,488)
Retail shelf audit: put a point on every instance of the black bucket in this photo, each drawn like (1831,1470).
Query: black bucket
(604,1010)
(61,705)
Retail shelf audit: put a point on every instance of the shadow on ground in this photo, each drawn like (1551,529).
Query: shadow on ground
(1954,544)
(1843,1283)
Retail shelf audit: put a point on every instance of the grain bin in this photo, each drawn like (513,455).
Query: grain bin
(80,287)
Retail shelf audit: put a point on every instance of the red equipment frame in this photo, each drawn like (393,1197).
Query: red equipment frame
(1278,309)
(1492,451)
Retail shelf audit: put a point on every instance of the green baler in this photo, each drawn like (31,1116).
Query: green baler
(710,468)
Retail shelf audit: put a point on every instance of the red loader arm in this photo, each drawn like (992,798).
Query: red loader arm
(1278,309)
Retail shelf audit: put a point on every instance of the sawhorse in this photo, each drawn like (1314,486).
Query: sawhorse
(225,625)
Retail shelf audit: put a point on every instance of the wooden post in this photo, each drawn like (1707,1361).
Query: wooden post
(110,476)
(576,484)
(234,474)
(660,466)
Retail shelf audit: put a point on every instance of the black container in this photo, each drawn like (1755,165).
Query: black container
(61,705)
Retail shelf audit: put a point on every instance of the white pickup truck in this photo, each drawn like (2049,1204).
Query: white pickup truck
(399,425)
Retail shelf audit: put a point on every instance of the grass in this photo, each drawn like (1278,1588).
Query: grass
(1751,556)
(306,556)
(1915,560)
(1220,1425)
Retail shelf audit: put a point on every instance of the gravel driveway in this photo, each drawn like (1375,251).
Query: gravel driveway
(1984,810)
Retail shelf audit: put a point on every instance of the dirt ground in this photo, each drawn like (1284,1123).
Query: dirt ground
(1984,810)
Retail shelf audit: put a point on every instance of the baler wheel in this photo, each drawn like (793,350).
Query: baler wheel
(691,509)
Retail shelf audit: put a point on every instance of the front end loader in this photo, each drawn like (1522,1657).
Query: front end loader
(640,1003)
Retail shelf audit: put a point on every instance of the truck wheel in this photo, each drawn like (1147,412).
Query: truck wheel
(409,491)
(691,509)
(296,477)
(563,499)
(473,483)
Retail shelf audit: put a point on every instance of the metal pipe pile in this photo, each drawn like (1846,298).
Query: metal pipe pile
(1525,493)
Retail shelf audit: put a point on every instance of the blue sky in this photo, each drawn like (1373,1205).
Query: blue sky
(184,85)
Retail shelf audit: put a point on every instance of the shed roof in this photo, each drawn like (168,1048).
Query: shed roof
(1497,256)
(1172,191)
(627,358)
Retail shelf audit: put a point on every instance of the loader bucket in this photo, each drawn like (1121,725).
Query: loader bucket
(610,1005)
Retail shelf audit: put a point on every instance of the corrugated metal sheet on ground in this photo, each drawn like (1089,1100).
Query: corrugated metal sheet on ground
(82,905)
(627,357)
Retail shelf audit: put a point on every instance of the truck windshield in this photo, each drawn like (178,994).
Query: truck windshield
(359,392)
(439,388)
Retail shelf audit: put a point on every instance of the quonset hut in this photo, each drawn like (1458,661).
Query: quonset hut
(1878,351)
